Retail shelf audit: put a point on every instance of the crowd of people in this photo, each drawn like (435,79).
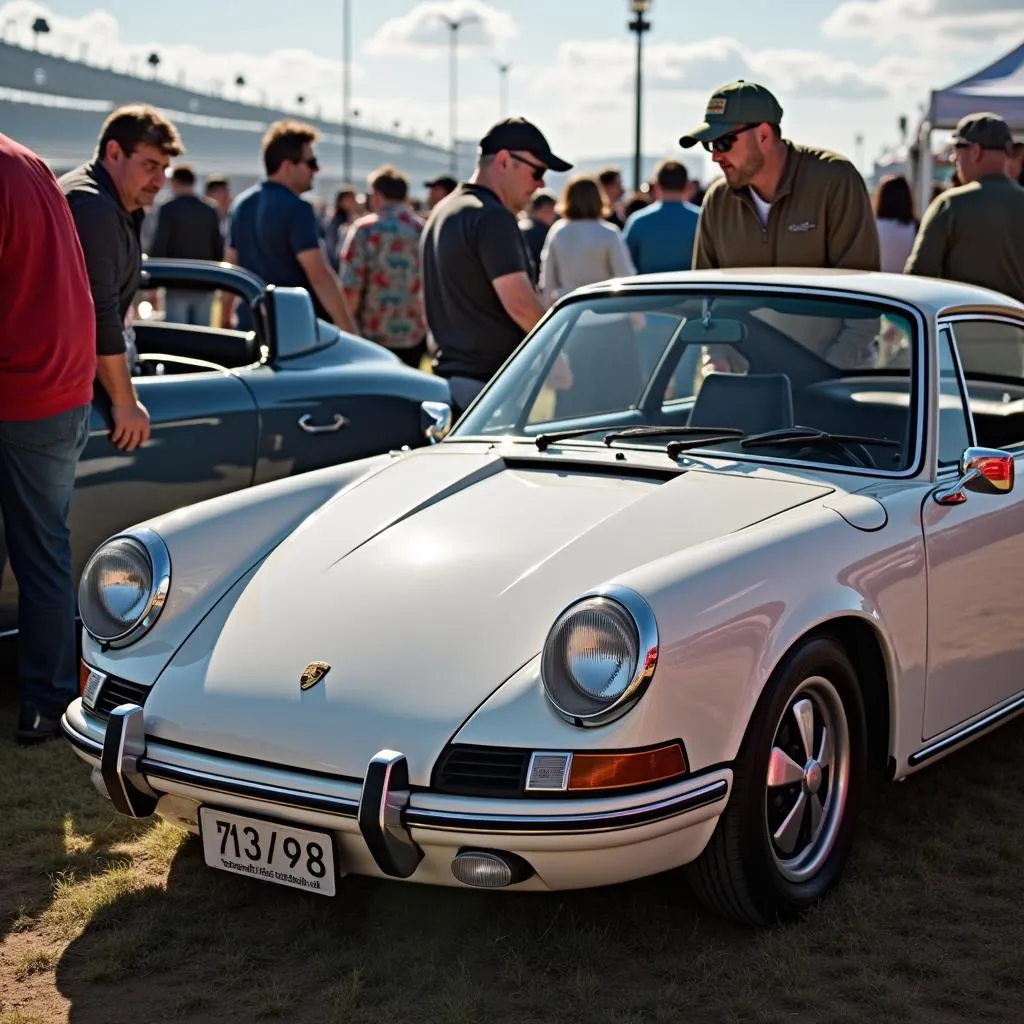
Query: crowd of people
(455,282)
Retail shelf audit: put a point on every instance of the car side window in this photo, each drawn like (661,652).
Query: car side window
(992,356)
(990,348)
(954,423)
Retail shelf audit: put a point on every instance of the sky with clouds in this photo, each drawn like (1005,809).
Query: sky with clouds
(841,68)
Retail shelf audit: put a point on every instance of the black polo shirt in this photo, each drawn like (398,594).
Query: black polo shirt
(469,240)
(109,235)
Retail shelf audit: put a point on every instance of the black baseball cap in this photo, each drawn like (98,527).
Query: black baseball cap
(734,106)
(518,133)
(989,131)
(444,180)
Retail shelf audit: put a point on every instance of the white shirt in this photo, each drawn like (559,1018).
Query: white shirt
(895,240)
(762,207)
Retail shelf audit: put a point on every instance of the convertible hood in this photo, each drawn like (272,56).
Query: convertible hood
(424,588)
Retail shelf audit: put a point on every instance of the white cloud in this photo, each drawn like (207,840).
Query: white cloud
(425,32)
(692,69)
(928,26)
(276,78)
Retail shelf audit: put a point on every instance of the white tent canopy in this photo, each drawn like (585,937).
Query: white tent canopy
(997,89)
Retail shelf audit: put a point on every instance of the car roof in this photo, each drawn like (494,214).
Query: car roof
(931,295)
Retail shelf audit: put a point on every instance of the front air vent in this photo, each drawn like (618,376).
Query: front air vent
(481,771)
(115,692)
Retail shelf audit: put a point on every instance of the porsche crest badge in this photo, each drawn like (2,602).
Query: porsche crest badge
(312,674)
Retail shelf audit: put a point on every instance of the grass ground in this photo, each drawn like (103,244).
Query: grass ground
(104,919)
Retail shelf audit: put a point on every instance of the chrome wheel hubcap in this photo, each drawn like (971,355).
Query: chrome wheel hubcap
(808,776)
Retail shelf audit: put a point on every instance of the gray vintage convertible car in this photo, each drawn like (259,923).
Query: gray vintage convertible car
(230,409)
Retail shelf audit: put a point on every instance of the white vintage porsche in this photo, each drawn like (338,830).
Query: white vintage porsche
(709,549)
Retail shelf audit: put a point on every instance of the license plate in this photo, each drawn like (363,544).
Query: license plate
(268,850)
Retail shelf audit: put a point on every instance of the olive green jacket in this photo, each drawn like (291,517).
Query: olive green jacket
(974,234)
(820,217)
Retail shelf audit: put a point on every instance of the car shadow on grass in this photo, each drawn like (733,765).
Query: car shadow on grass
(54,826)
(925,927)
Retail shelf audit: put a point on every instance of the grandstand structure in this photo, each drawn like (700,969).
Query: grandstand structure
(56,107)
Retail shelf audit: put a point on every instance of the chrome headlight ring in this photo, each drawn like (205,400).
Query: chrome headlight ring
(152,558)
(629,623)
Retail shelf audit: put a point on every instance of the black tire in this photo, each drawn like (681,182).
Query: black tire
(742,873)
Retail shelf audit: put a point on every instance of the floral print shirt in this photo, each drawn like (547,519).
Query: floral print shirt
(380,259)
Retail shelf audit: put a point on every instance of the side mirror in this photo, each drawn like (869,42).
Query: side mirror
(437,420)
(982,470)
(293,322)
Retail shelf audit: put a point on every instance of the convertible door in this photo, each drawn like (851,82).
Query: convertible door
(326,413)
(202,443)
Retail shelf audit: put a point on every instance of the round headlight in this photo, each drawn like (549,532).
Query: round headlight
(599,656)
(123,587)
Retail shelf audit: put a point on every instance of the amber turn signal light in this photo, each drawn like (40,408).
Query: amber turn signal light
(633,768)
(83,677)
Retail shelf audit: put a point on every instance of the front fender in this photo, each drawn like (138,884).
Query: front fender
(730,610)
(212,544)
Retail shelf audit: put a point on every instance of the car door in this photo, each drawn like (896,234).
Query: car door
(333,406)
(204,432)
(975,549)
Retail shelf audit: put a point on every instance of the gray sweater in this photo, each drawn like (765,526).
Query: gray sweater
(579,252)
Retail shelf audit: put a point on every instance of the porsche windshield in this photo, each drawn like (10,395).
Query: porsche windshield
(796,363)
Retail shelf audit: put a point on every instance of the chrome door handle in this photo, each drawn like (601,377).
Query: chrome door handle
(306,422)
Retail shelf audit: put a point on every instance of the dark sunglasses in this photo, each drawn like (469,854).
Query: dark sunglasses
(312,163)
(539,170)
(725,142)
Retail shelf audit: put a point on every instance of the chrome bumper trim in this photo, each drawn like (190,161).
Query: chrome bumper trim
(573,824)
(155,769)
(383,809)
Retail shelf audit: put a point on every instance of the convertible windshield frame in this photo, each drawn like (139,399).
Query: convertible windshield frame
(919,370)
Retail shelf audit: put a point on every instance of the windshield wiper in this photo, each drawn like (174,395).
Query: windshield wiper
(797,435)
(669,431)
(673,448)
(543,440)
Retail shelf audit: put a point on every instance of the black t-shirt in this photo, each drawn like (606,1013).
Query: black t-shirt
(470,239)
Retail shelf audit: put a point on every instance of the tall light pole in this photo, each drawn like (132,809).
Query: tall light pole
(503,70)
(346,89)
(639,25)
(454,24)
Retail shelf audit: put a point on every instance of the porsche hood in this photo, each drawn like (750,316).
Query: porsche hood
(424,588)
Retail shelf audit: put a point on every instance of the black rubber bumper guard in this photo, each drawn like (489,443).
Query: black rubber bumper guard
(384,796)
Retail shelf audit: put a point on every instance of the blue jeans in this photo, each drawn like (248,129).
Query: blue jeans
(182,307)
(37,478)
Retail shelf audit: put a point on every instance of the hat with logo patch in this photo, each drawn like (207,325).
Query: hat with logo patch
(989,131)
(518,133)
(733,106)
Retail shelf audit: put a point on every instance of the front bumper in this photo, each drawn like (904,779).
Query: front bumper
(395,824)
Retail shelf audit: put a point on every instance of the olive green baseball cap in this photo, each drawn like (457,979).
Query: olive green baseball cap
(733,106)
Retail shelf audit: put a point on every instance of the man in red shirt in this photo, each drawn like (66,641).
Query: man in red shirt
(47,366)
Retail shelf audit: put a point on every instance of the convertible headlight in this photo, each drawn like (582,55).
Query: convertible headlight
(599,656)
(123,587)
